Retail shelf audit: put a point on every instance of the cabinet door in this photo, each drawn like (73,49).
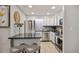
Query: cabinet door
(45,20)
(48,21)
(52,36)
(51,20)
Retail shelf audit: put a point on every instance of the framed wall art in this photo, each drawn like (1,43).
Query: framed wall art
(4,16)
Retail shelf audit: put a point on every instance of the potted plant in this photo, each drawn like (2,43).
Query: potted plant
(19,25)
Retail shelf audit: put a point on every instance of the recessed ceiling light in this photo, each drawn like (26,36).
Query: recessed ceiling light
(48,13)
(33,13)
(30,6)
(53,7)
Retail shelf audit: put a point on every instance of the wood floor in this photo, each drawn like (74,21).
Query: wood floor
(48,47)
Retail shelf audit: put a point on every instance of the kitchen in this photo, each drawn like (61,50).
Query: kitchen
(41,25)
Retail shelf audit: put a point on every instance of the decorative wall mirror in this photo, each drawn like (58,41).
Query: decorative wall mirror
(17,17)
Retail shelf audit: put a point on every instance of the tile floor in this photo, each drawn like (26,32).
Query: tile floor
(48,47)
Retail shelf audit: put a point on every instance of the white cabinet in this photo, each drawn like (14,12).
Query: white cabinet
(44,21)
(51,20)
(52,36)
(45,36)
(56,20)
(48,20)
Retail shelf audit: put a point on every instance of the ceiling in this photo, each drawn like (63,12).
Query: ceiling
(41,9)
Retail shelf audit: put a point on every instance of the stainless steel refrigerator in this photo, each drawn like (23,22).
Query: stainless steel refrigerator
(33,25)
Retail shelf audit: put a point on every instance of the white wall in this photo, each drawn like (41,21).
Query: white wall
(71,29)
(4,41)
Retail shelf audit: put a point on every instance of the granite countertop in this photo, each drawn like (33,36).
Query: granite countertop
(26,36)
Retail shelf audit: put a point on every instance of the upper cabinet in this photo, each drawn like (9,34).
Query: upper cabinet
(48,20)
(53,20)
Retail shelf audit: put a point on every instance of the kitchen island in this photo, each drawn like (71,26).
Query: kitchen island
(28,38)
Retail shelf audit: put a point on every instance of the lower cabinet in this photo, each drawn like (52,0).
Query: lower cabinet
(52,36)
(55,39)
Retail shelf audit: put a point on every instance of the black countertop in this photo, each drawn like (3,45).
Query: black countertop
(26,36)
(53,26)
